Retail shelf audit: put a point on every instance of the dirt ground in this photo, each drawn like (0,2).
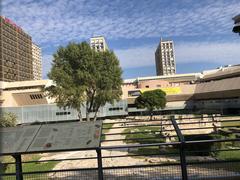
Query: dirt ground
(154,173)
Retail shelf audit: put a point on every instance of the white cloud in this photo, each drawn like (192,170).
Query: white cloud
(217,52)
(51,23)
(60,21)
(47,64)
(224,53)
(136,57)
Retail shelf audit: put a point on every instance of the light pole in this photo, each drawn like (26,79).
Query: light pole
(236,27)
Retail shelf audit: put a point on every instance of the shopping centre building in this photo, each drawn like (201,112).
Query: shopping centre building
(212,91)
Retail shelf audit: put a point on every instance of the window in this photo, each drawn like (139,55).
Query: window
(36,96)
(115,109)
(146,86)
(134,93)
(62,113)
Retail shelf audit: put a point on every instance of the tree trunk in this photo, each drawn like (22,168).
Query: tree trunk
(87,115)
(80,115)
(88,110)
(151,115)
(95,115)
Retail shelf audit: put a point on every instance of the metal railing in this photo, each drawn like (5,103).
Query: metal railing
(160,149)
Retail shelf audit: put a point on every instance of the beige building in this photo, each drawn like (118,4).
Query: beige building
(15,52)
(24,93)
(154,82)
(165,58)
(178,87)
(37,62)
(98,43)
(216,90)
(209,90)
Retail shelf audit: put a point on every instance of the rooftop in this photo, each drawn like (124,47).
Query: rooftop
(222,72)
(196,75)
(19,84)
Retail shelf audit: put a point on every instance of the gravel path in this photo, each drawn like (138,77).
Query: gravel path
(107,162)
(165,172)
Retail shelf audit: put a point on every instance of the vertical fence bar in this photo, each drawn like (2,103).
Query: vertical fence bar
(18,160)
(99,159)
(181,149)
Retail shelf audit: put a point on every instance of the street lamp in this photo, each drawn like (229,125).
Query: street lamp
(236,27)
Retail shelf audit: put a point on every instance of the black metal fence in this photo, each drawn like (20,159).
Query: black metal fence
(170,148)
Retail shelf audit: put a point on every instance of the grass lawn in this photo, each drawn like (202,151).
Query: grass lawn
(29,167)
(103,137)
(156,151)
(149,132)
(229,155)
(225,155)
(236,123)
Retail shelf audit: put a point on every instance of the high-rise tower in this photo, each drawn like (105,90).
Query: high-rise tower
(15,52)
(37,62)
(164,58)
(98,43)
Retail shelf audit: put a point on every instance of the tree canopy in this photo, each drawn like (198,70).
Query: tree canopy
(154,99)
(8,119)
(84,78)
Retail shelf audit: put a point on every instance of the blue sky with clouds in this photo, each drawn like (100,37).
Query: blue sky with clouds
(201,30)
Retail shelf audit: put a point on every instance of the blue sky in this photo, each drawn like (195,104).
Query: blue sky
(201,30)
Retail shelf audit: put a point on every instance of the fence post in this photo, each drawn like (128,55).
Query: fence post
(99,159)
(18,163)
(181,149)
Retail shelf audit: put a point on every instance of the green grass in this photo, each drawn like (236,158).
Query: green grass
(155,150)
(230,123)
(229,155)
(227,133)
(29,167)
(236,123)
(147,150)
(109,126)
(155,138)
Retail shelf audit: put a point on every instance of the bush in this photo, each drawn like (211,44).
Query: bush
(8,120)
(202,149)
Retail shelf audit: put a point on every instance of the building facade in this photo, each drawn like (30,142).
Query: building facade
(27,100)
(15,52)
(37,62)
(213,91)
(98,43)
(165,58)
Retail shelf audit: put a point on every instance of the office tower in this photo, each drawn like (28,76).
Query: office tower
(15,52)
(164,58)
(37,62)
(98,43)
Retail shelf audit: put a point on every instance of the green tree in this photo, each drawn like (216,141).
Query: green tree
(154,99)
(84,78)
(8,119)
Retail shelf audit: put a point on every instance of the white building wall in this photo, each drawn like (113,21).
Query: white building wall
(37,62)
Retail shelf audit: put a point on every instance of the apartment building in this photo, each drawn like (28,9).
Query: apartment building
(15,52)
(165,58)
(37,62)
